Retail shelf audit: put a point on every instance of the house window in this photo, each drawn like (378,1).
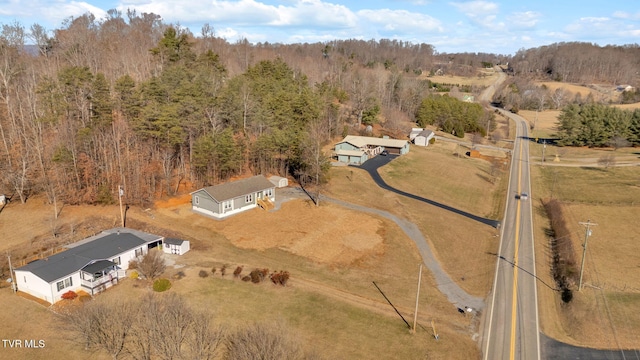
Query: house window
(139,252)
(270,192)
(116,260)
(226,205)
(248,198)
(64,283)
(196,200)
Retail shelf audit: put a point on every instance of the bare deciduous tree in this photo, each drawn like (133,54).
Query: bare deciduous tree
(151,266)
(104,326)
(607,161)
(263,341)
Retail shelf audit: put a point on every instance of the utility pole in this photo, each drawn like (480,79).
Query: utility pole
(415,314)
(120,195)
(14,286)
(584,250)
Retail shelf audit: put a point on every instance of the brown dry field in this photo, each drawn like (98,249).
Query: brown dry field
(487,78)
(603,314)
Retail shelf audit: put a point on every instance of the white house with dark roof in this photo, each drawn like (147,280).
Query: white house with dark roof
(92,265)
(234,197)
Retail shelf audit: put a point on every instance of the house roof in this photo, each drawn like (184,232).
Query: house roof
(69,261)
(98,266)
(172,241)
(349,152)
(363,141)
(426,133)
(234,189)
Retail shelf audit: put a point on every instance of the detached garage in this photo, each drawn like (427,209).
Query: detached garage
(175,246)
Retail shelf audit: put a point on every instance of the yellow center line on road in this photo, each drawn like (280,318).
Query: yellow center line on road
(515,263)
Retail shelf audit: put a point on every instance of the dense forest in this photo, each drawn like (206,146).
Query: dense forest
(132,101)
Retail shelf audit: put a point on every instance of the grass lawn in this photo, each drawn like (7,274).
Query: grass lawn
(602,314)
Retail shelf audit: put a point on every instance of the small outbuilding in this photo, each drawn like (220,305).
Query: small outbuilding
(423,138)
(175,246)
(415,132)
(279,181)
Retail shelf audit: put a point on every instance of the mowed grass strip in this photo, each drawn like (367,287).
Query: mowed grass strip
(434,173)
(601,315)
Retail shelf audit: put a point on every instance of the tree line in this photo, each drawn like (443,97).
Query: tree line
(129,100)
(454,116)
(166,327)
(597,125)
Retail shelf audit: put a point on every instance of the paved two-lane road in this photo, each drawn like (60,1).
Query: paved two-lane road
(511,327)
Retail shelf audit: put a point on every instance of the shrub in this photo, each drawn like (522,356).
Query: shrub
(203,274)
(179,275)
(69,295)
(237,271)
(223,270)
(258,275)
(161,285)
(213,270)
(134,275)
(246,278)
(280,278)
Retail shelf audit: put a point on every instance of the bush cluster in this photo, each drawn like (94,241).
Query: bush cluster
(280,278)
(564,266)
(256,276)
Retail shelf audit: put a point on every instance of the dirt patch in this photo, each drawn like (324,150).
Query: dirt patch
(325,234)
(173,201)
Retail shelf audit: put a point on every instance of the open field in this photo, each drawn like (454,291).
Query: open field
(488,77)
(602,315)
(461,248)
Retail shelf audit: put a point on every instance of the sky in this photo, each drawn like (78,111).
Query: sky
(499,26)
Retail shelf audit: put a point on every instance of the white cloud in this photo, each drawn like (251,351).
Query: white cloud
(47,13)
(626,15)
(481,13)
(524,20)
(314,13)
(400,21)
